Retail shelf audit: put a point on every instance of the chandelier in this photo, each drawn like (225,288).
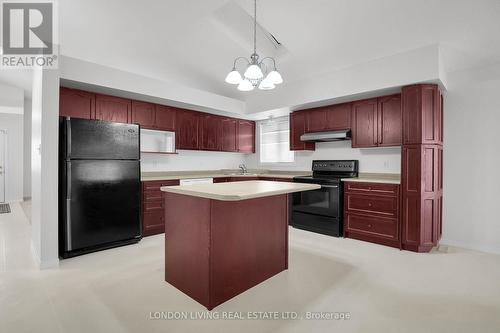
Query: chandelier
(257,73)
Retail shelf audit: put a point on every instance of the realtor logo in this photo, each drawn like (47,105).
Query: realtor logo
(28,34)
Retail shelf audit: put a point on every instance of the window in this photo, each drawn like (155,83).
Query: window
(275,141)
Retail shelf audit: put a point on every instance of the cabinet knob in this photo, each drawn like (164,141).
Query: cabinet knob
(369,225)
(370,204)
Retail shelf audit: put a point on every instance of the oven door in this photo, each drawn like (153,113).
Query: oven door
(318,210)
(324,201)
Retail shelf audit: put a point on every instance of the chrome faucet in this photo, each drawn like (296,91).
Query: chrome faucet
(243,168)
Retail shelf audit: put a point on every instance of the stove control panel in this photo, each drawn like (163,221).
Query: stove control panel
(335,166)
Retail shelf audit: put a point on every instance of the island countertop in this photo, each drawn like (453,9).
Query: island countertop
(237,191)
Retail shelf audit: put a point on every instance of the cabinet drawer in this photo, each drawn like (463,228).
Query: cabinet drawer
(152,195)
(379,188)
(152,186)
(372,225)
(377,204)
(153,205)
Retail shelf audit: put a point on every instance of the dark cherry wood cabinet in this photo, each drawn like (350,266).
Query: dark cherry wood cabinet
(210,132)
(153,116)
(115,109)
(422,114)
(194,130)
(165,118)
(365,123)
(143,114)
(371,213)
(229,134)
(316,119)
(297,128)
(329,118)
(377,122)
(246,136)
(153,209)
(338,117)
(76,103)
(390,121)
(187,131)
(422,167)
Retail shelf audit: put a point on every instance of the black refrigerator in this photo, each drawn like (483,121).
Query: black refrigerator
(99,186)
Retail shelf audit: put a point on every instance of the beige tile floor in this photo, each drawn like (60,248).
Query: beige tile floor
(383,289)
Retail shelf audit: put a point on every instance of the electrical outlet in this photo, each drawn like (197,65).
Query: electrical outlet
(386,165)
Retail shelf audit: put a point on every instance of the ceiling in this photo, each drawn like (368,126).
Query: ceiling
(194,42)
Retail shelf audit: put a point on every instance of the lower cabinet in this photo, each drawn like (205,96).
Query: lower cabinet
(371,213)
(153,210)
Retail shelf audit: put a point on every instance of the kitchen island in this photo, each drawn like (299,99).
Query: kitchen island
(222,239)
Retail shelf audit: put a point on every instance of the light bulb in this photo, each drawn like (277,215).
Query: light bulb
(253,72)
(245,85)
(266,85)
(234,77)
(274,77)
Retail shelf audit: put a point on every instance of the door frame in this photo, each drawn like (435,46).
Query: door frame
(4,152)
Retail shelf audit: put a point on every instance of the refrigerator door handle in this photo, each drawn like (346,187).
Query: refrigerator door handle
(68,138)
(69,246)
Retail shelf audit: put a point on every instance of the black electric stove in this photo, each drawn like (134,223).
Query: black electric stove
(321,210)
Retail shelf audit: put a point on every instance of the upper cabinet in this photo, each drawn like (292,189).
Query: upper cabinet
(153,116)
(422,114)
(364,123)
(329,118)
(338,117)
(377,122)
(115,109)
(143,114)
(165,118)
(76,103)
(229,134)
(210,132)
(297,128)
(390,122)
(246,136)
(188,125)
(193,130)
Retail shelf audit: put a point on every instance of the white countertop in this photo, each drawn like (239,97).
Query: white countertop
(236,191)
(173,176)
(385,178)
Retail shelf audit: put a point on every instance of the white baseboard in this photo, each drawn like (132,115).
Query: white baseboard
(470,246)
(46,264)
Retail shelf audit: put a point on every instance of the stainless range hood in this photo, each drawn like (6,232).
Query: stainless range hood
(327,136)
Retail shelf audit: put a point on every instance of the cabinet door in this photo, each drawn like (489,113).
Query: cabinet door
(115,109)
(390,122)
(364,124)
(229,134)
(165,118)
(316,120)
(76,103)
(187,128)
(246,136)
(297,128)
(210,132)
(143,114)
(338,117)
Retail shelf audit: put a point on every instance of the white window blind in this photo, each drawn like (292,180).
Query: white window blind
(275,141)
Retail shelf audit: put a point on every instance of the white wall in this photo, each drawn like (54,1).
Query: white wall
(13,124)
(419,65)
(188,160)
(27,149)
(380,160)
(44,166)
(472,159)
